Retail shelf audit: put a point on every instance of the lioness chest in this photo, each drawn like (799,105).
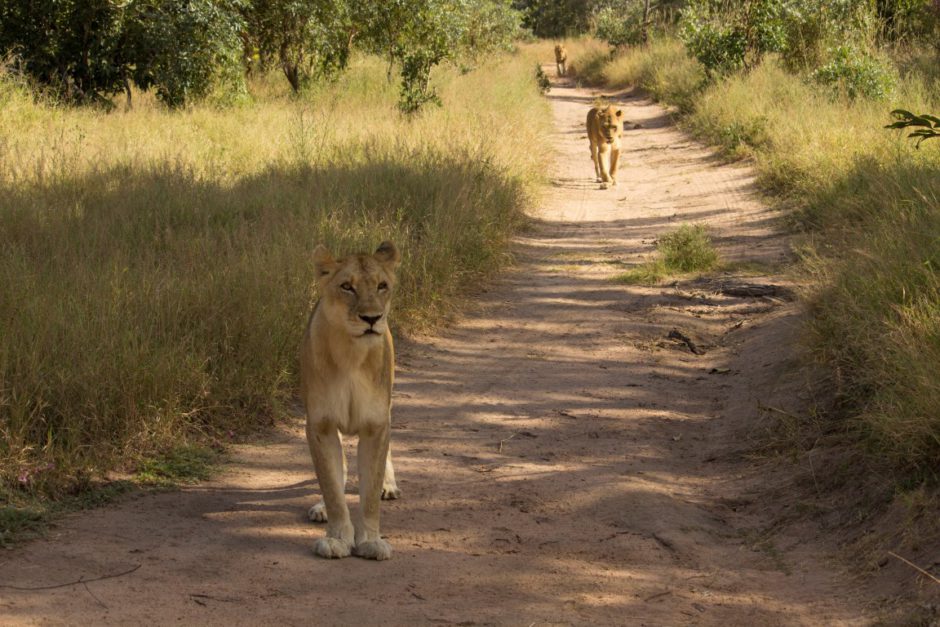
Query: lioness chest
(352,401)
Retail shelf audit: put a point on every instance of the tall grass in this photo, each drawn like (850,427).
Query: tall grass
(868,203)
(155,270)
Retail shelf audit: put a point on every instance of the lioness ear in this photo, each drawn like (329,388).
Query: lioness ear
(323,261)
(387,254)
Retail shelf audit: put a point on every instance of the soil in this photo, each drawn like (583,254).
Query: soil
(573,451)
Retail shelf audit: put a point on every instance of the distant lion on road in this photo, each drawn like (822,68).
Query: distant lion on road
(561,60)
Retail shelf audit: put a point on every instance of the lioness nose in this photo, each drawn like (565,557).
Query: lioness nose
(370,319)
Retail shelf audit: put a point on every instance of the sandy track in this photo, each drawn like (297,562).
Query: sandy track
(562,460)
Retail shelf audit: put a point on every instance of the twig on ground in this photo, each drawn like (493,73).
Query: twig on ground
(81,580)
(503,441)
(656,596)
(914,566)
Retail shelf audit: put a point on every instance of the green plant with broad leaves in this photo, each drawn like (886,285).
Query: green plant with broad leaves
(856,73)
(925,126)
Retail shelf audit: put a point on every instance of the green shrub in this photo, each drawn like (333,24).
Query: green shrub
(727,36)
(685,250)
(856,73)
(620,25)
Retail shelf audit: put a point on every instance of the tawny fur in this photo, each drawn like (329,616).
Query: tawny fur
(347,363)
(561,60)
(604,129)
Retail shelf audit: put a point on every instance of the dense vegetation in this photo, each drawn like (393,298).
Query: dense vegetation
(805,88)
(155,271)
(88,50)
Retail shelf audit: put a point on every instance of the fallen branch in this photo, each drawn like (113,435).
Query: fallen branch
(80,580)
(914,566)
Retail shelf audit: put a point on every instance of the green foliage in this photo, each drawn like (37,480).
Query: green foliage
(555,18)
(542,82)
(688,249)
(928,126)
(71,47)
(811,27)
(908,20)
(87,50)
(856,73)
(307,39)
(726,35)
(491,26)
(186,463)
(184,49)
(620,24)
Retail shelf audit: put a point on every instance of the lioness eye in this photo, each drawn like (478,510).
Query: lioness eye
(347,286)
(383,286)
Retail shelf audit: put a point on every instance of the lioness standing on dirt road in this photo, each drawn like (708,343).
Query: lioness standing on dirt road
(604,129)
(347,364)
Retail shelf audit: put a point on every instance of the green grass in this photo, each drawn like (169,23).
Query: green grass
(685,250)
(155,266)
(184,464)
(867,204)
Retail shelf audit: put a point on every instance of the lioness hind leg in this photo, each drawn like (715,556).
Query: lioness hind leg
(327,452)
(373,457)
(390,489)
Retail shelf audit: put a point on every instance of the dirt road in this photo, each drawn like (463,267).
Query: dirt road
(563,459)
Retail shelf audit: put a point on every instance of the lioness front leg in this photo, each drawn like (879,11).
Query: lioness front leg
(373,456)
(614,158)
(595,159)
(327,452)
(317,512)
(390,490)
(604,158)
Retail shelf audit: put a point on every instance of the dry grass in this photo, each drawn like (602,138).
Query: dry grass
(868,204)
(155,273)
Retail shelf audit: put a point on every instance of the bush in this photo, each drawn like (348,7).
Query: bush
(726,36)
(856,73)
(620,25)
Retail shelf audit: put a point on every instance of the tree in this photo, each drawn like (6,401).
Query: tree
(556,18)
(183,48)
(73,47)
(308,38)
(88,50)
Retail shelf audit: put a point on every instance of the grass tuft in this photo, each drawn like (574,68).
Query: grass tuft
(686,250)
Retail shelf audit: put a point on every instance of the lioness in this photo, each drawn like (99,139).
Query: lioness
(347,363)
(604,129)
(561,60)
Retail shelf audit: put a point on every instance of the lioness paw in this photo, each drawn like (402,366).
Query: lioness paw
(391,493)
(317,513)
(373,550)
(332,548)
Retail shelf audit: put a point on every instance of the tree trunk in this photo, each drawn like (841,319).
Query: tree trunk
(645,36)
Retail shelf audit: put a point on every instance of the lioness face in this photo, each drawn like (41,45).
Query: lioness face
(357,290)
(610,121)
